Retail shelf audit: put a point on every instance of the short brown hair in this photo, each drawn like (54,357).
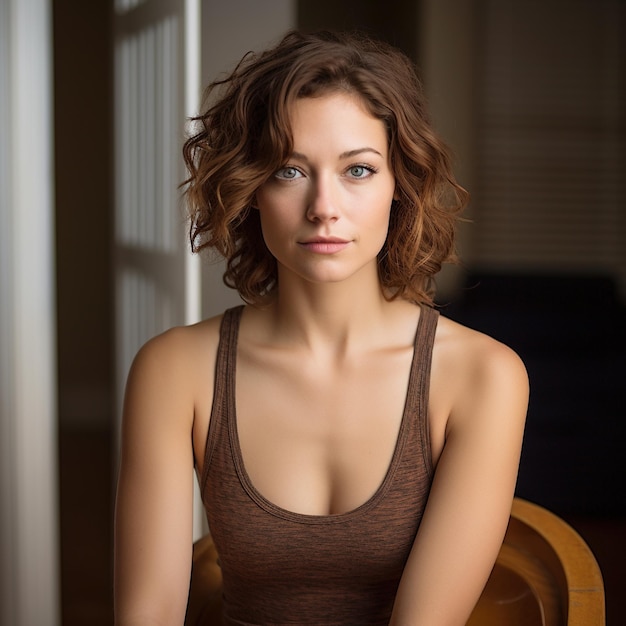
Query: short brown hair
(244,136)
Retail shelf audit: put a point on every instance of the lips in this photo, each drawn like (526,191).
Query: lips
(325,245)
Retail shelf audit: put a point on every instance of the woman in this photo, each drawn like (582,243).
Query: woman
(357,452)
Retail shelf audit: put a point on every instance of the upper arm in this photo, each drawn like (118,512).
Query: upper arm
(470,500)
(153,526)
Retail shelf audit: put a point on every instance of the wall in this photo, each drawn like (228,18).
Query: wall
(395,21)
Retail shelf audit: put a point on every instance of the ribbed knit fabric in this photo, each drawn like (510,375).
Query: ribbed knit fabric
(281,567)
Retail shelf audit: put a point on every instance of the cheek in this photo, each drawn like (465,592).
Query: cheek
(280,210)
(380,225)
(275,228)
(384,231)
(275,203)
(382,215)
(268,210)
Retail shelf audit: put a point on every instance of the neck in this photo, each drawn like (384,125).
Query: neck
(328,316)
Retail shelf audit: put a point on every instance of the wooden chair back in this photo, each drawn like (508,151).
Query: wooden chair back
(545,575)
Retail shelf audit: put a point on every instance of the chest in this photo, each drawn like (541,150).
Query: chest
(319,439)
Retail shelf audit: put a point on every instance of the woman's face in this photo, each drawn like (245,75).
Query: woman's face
(325,213)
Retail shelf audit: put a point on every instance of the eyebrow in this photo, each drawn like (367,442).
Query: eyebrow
(344,155)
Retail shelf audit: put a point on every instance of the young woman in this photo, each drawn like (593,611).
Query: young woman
(357,452)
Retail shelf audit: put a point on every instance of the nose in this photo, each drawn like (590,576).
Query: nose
(322,204)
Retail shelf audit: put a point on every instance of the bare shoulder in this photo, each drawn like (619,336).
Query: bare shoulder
(179,350)
(486,372)
(174,370)
(476,355)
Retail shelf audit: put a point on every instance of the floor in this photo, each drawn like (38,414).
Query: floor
(86,472)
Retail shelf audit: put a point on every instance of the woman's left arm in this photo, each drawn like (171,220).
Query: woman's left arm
(470,501)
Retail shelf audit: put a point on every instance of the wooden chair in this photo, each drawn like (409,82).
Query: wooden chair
(545,575)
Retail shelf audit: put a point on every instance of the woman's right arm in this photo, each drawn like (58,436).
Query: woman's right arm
(153,519)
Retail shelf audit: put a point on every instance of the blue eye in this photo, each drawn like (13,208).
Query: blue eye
(288,173)
(360,171)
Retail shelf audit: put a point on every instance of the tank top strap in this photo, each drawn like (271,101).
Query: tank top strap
(225,366)
(419,379)
(224,386)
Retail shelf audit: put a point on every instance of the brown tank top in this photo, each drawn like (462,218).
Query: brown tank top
(281,567)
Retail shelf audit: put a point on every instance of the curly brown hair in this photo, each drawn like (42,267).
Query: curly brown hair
(244,136)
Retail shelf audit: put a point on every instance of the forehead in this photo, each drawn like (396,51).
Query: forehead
(335,117)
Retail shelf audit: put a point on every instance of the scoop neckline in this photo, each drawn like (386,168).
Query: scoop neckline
(308,518)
